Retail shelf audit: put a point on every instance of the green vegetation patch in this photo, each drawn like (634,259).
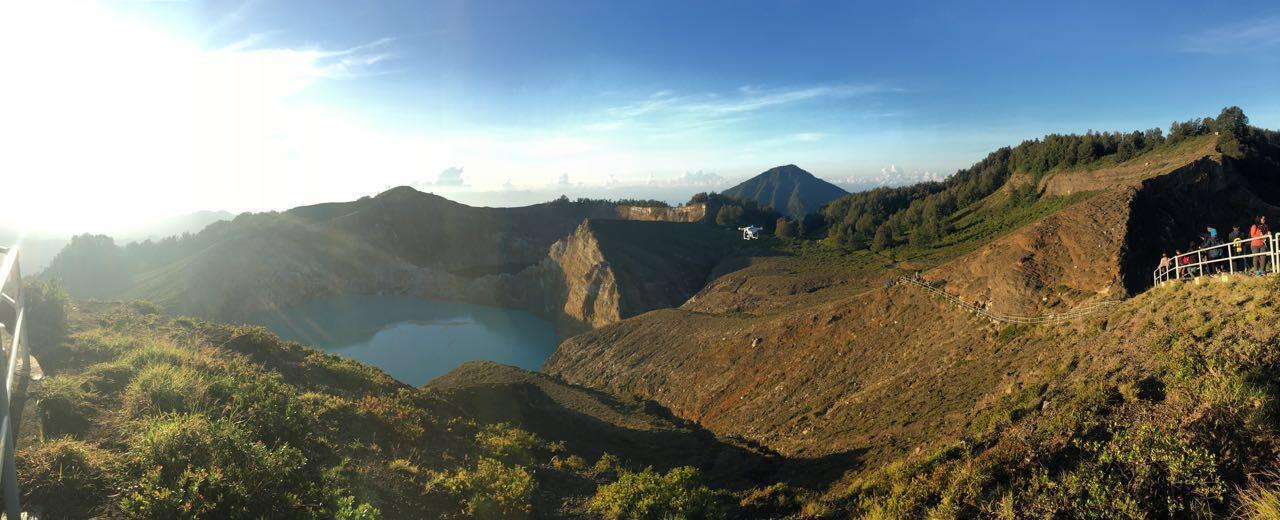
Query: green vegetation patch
(649,495)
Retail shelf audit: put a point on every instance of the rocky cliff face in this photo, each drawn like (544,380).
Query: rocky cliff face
(609,270)
(688,213)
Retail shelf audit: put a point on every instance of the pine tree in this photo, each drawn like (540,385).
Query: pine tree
(729,215)
(883,239)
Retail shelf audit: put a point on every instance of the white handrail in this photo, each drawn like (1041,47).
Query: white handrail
(1200,260)
(18,354)
(1078,312)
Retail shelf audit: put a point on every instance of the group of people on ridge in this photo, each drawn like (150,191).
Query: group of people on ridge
(1237,246)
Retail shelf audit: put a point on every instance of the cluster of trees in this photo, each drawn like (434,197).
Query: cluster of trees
(919,214)
(730,212)
(642,203)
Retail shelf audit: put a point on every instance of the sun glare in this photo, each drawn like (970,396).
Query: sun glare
(118,122)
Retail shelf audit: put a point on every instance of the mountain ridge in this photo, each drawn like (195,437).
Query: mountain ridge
(788,189)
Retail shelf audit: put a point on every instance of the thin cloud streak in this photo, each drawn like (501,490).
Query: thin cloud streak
(1246,36)
(671,113)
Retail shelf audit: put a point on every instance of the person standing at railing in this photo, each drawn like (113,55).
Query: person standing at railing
(1183,270)
(1259,233)
(1236,243)
(1211,243)
(1165,264)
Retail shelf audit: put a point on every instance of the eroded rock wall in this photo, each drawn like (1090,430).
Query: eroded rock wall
(687,213)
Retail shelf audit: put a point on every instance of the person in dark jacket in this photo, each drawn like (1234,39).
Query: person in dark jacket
(1214,252)
(1236,243)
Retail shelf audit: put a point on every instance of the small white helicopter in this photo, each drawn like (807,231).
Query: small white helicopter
(750,232)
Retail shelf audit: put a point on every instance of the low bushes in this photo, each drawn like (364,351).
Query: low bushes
(193,466)
(515,445)
(64,405)
(489,489)
(67,477)
(162,387)
(647,494)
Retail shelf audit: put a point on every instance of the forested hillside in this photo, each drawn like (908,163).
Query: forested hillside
(921,214)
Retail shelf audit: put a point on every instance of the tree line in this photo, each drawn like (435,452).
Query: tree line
(919,214)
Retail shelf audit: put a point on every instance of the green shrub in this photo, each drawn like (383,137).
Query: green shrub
(776,500)
(650,495)
(266,406)
(351,376)
(64,404)
(161,388)
(154,351)
(349,509)
(572,463)
(504,442)
(607,465)
(145,307)
(489,490)
(47,305)
(110,377)
(102,344)
(1145,470)
(1012,331)
(1164,469)
(66,477)
(191,466)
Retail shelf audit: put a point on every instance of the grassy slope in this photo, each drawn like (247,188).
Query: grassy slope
(148,416)
(1175,414)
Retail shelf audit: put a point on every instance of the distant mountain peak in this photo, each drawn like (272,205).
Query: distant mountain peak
(789,189)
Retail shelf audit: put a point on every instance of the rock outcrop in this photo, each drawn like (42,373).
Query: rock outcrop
(688,213)
(609,270)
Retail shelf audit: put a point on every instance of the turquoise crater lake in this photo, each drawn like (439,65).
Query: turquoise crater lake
(414,339)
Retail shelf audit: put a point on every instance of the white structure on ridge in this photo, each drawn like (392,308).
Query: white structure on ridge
(750,232)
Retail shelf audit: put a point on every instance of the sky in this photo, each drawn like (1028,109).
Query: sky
(117,113)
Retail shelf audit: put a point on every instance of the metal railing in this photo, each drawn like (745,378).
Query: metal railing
(1242,256)
(15,345)
(1078,312)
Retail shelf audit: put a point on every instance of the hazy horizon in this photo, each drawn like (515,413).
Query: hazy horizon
(127,112)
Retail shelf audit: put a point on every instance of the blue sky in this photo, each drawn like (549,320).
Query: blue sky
(503,102)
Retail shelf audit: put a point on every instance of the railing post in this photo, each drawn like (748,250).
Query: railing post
(1275,255)
(1231,261)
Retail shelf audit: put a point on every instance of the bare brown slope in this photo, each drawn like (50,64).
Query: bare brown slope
(882,371)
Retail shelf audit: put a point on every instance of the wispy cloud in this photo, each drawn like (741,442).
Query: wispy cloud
(307,63)
(670,111)
(789,139)
(1244,36)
